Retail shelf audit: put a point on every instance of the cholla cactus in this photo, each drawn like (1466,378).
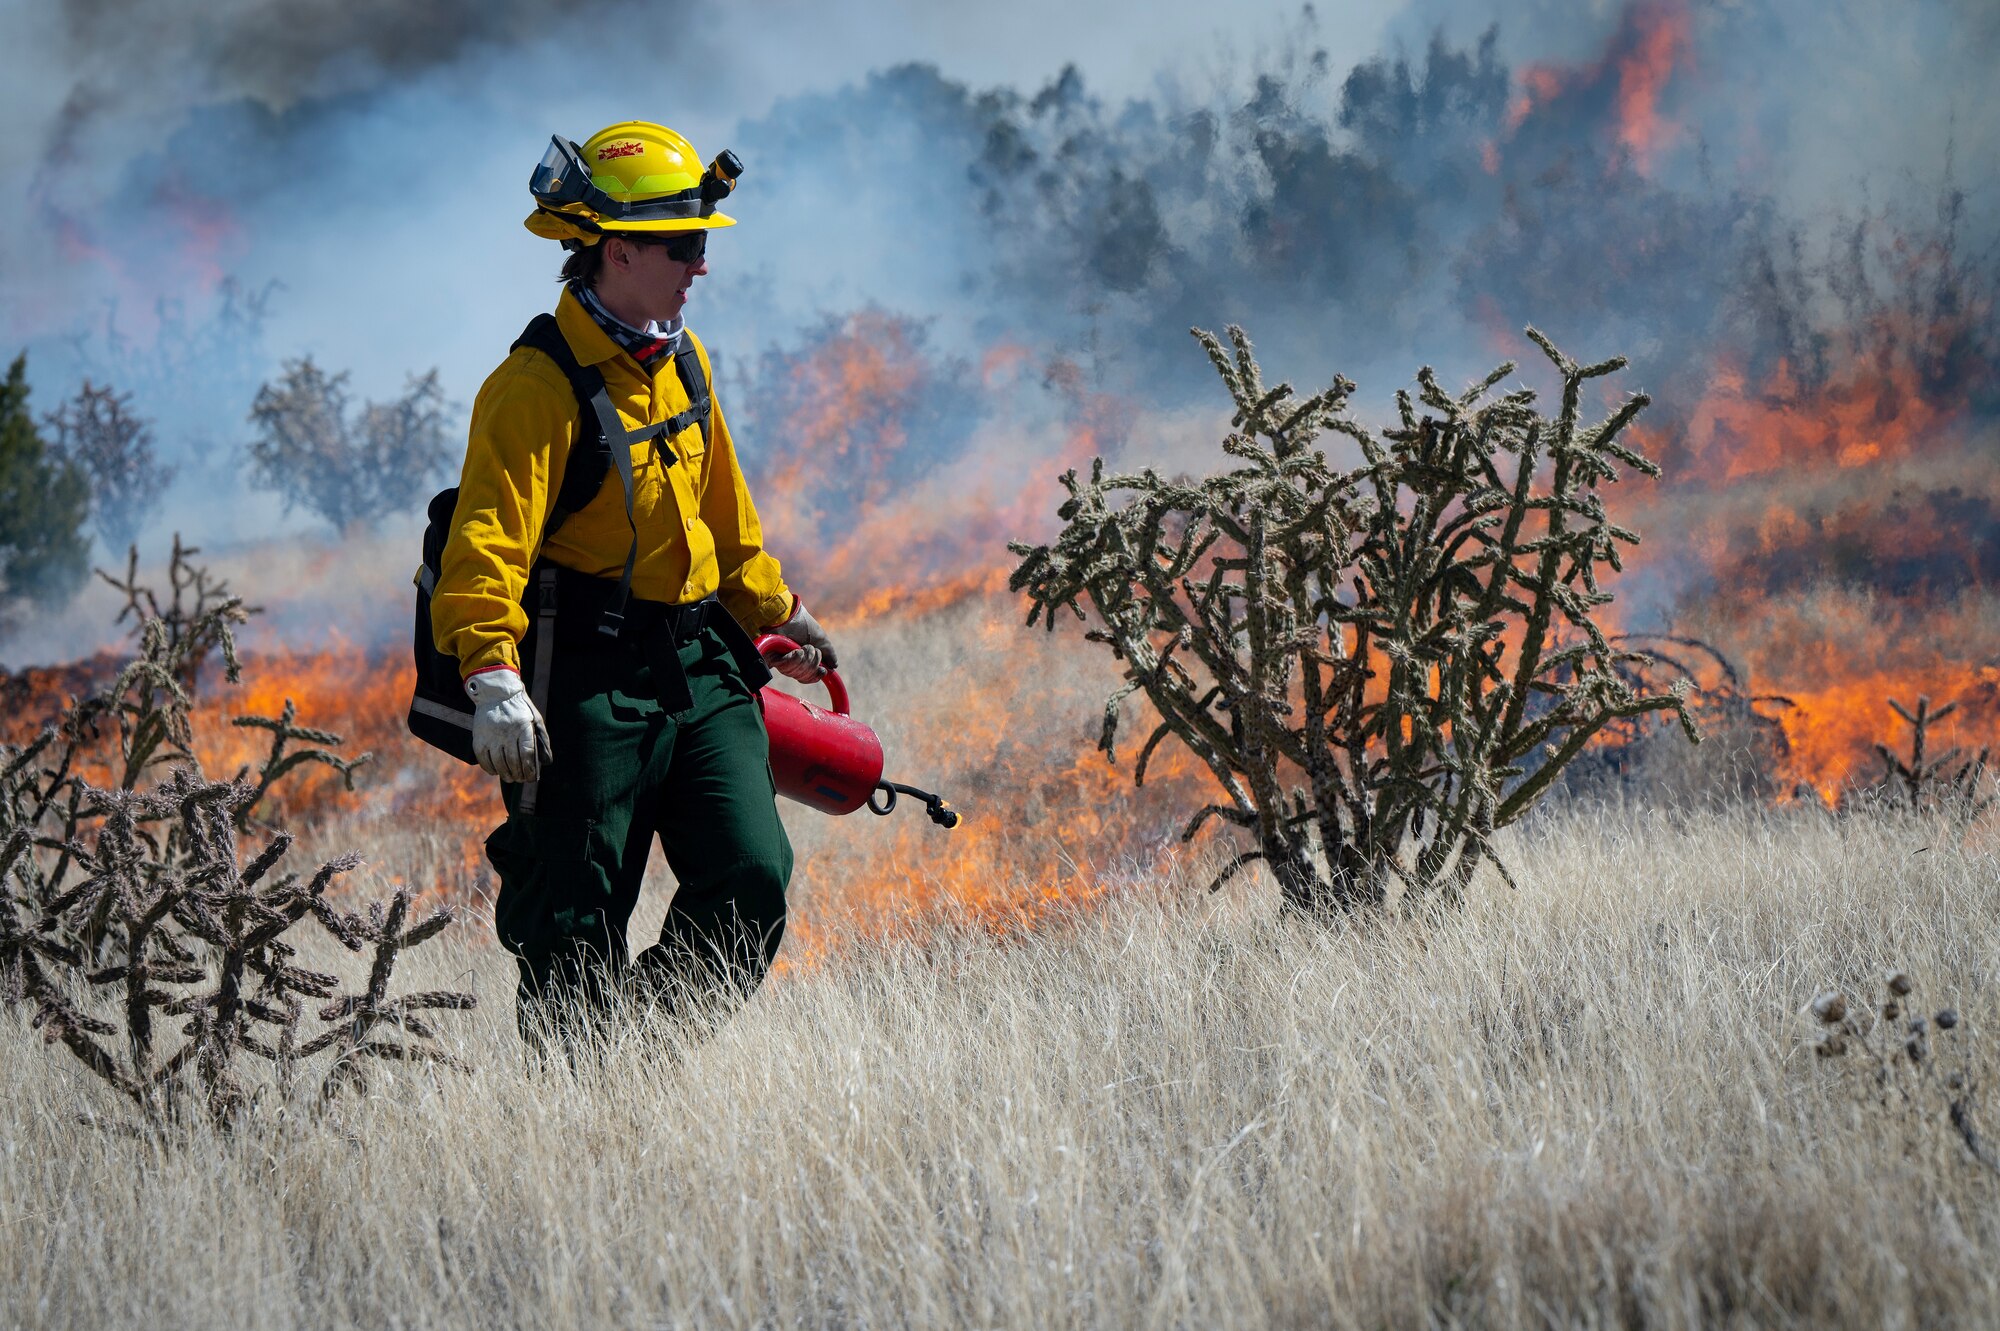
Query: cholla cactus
(1382,665)
(128,903)
(319,747)
(197,619)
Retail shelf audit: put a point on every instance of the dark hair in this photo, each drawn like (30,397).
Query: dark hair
(583,265)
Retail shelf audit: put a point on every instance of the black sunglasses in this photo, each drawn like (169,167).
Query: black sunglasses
(681,246)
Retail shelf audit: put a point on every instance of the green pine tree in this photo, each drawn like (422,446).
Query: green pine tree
(44,502)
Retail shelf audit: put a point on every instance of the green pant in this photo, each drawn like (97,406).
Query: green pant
(624,770)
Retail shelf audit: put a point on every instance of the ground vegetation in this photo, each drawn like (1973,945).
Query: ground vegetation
(144,930)
(1596,1101)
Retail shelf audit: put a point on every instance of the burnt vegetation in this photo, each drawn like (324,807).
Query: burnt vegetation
(149,924)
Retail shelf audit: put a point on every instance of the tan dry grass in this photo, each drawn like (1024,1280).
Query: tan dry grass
(1590,1102)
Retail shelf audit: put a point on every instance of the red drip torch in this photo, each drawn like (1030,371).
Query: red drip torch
(827,759)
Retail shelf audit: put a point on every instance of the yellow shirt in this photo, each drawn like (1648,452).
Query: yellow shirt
(698,530)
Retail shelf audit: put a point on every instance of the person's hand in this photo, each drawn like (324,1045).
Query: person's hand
(814,656)
(509,736)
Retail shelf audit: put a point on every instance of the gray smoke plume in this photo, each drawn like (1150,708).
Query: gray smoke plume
(1364,190)
(129,53)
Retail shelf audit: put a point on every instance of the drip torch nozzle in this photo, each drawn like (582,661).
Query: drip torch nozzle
(940,812)
(721,176)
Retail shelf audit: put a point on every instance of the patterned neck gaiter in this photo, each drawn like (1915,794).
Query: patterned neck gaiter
(649,345)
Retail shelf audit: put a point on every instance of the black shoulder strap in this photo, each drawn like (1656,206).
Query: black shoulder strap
(687,364)
(589,459)
(545,335)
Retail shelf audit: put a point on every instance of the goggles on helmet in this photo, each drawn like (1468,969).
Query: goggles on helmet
(562,178)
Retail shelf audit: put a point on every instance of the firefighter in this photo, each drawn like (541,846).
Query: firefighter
(638,586)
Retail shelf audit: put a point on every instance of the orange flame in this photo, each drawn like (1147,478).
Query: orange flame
(1662,39)
(1652,41)
(1049,823)
(867,512)
(1831,731)
(1866,414)
(1796,496)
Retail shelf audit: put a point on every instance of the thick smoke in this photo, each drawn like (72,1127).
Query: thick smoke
(1675,181)
(1413,206)
(282,51)
(128,65)
(167,148)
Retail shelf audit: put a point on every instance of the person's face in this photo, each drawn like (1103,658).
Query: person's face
(652,281)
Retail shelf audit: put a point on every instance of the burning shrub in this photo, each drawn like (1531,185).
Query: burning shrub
(126,900)
(1392,661)
(350,472)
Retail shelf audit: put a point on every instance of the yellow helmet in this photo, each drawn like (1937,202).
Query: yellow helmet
(633,176)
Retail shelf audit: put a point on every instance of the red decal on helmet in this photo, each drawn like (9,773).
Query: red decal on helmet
(628,148)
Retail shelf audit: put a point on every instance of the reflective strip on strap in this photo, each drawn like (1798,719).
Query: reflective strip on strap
(545,655)
(545,641)
(437,710)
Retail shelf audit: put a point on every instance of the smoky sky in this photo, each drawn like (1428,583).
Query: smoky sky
(218,187)
(282,51)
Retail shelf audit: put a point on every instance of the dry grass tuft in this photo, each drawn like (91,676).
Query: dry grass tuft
(1593,1101)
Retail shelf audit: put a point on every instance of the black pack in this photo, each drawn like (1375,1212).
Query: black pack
(440,713)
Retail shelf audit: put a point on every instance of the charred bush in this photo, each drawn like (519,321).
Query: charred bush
(1380,666)
(1743,752)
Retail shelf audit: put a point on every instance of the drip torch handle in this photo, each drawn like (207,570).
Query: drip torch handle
(774,644)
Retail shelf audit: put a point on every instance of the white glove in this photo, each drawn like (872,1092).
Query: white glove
(815,654)
(509,736)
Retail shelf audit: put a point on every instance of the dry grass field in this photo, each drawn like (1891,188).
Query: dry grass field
(1591,1102)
